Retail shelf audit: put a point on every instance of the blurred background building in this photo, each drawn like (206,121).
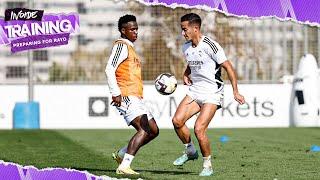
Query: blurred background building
(262,50)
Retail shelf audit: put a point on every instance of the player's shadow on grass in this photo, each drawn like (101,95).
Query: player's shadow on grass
(93,169)
(169,172)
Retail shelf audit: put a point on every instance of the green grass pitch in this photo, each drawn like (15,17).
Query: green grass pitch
(270,153)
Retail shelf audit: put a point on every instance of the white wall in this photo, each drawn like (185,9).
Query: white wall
(9,95)
(67,106)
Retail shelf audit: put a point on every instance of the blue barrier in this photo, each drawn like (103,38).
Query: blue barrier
(26,115)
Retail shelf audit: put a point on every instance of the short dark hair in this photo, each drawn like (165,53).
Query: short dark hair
(125,19)
(192,18)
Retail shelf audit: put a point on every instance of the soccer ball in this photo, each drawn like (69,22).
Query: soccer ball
(166,83)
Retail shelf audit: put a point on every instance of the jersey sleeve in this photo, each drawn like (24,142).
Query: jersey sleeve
(118,54)
(220,56)
(215,51)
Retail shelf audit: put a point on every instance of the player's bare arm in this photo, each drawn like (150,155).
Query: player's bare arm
(233,79)
(186,78)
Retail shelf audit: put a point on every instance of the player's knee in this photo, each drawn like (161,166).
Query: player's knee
(154,129)
(154,133)
(177,123)
(199,132)
(143,133)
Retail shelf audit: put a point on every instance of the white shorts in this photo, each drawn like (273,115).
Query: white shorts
(202,98)
(132,107)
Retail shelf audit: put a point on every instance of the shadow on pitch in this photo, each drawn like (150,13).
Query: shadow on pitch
(93,169)
(169,172)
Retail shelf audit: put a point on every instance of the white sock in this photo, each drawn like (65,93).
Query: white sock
(122,151)
(190,149)
(127,159)
(207,162)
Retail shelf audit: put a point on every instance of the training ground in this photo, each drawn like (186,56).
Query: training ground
(268,153)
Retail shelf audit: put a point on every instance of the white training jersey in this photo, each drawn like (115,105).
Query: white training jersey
(118,55)
(204,61)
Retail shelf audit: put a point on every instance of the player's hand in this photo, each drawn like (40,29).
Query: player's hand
(116,101)
(187,81)
(239,98)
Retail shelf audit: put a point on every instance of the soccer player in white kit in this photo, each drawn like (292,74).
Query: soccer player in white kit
(205,58)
